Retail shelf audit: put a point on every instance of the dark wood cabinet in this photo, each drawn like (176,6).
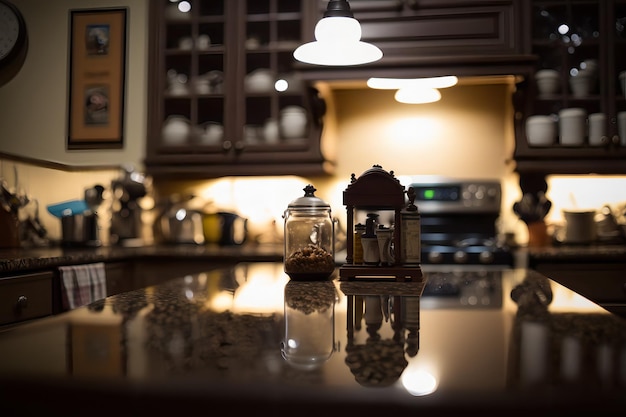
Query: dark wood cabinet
(565,36)
(214,108)
(120,277)
(426,38)
(26,296)
(417,28)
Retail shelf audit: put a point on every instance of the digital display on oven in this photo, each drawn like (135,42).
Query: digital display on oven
(437,193)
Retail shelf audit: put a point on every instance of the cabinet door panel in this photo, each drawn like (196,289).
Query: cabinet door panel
(444,32)
(119,277)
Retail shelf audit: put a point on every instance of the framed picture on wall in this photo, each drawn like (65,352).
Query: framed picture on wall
(97,73)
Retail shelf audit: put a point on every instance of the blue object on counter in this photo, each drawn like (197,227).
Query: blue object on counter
(68,208)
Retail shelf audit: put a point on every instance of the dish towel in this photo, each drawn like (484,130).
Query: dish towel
(82,284)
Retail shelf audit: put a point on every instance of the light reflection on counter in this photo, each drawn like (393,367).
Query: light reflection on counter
(229,323)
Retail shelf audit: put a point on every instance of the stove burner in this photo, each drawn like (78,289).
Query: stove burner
(485,253)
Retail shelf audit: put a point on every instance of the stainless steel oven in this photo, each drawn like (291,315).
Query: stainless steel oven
(461,252)
(458,222)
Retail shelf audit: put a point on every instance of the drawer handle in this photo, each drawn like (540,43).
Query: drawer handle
(22,303)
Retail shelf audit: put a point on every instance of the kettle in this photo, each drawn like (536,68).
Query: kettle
(224,228)
(179,225)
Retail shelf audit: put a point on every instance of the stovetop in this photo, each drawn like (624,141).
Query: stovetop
(458,221)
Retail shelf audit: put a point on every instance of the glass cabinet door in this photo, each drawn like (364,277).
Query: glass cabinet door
(617,63)
(274,108)
(567,39)
(224,96)
(194,68)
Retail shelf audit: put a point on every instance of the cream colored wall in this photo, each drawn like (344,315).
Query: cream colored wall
(468,134)
(34,104)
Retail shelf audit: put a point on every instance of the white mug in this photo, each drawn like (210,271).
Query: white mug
(597,129)
(572,126)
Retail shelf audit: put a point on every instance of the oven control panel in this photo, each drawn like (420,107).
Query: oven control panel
(462,196)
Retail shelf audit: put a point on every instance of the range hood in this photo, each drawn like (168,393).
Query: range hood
(427,66)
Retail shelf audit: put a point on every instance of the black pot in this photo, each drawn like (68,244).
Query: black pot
(80,230)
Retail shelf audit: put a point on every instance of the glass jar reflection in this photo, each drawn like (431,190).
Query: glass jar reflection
(309,323)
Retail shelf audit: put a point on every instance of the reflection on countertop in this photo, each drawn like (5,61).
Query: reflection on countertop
(215,342)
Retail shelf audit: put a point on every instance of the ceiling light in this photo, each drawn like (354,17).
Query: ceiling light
(396,83)
(417,95)
(338,40)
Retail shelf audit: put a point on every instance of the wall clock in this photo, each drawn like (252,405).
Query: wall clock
(13,41)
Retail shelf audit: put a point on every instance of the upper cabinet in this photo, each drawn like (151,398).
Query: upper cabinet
(224,98)
(422,38)
(580,48)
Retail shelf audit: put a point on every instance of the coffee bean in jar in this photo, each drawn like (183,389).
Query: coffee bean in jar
(310,263)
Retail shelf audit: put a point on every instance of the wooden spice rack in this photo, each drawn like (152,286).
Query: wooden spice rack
(376,189)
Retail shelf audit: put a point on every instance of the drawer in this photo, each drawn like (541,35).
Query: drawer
(25,297)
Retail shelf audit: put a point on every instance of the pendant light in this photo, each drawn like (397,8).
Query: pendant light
(338,40)
(414,90)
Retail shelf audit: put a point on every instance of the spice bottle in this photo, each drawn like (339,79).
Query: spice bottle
(357,252)
(309,238)
(369,241)
(411,231)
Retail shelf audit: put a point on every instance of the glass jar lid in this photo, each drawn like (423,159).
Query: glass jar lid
(309,200)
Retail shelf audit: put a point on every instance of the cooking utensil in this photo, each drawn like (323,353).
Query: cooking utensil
(80,230)
(532,208)
(68,208)
(225,228)
(93,196)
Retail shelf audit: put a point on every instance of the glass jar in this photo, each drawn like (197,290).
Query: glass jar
(309,238)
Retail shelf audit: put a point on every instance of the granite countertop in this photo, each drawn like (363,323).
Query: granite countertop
(26,259)
(247,339)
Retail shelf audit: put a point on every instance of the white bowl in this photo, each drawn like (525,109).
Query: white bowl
(541,130)
(548,81)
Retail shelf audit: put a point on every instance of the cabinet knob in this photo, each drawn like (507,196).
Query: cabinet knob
(22,303)
(227,145)
(615,140)
(239,145)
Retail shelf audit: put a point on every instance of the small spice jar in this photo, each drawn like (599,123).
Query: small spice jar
(411,231)
(309,238)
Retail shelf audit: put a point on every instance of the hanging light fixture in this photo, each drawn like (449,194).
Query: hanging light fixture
(338,40)
(414,90)
(417,95)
